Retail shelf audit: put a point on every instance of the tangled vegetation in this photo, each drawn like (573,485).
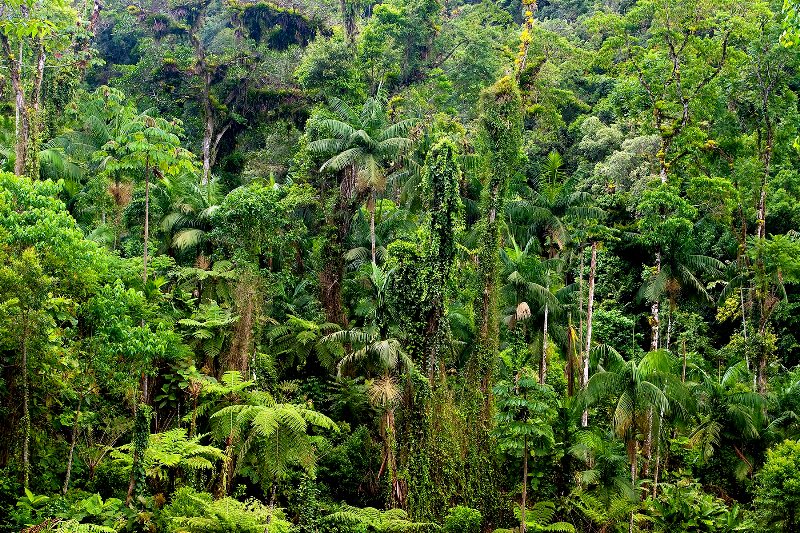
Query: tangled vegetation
(400,266)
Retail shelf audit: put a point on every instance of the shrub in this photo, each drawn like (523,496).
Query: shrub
(462,519)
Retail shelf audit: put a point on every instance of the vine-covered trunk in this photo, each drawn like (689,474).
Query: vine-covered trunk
(332,272)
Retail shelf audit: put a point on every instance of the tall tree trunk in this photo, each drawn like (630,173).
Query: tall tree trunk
(146,219)
(26,413)
(208,133)
(204,74)
(669,326)
(72,442)
(648,443)
(523,527)
(683,370)
(372,200)
(35,116)
(338,222)
(589,311)
(543,362)
(23,128)
(348,10)
(655,320)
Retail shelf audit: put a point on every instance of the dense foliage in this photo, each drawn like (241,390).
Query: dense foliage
(399,266)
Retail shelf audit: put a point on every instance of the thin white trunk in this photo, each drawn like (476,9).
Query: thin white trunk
(654,311)
(543,362)
(589,311)
(669,327)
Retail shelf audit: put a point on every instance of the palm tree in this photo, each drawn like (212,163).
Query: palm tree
(75,155)
(190,209)
(637,390)
(727,411)
(676,274)
(362,144)
(533,287)
(544,208)
(392,223)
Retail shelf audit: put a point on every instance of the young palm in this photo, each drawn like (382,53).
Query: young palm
(545,208)
(728,410)
(637,390)
(362,145)
(678,274)
(532,286)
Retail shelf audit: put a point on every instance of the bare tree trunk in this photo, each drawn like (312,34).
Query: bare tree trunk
(648,443)
(73,441)
(655,321)
(683,371)
(634,472)
(14,68)
(208,133)
(543,362)
(589,311)
(372,200)
(204,74)
(669,327)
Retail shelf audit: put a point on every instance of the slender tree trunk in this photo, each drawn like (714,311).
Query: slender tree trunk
(658,456)
(26,414)
(669,327)
(348,11)
(72,442)
(35,117)
(634,469)
(655,321)
(543,362)
(589,311)
(372,200)
(204,74)
(23,128)
(683,371)
(648,443)
(208,133)
(146,218)
(523,527)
